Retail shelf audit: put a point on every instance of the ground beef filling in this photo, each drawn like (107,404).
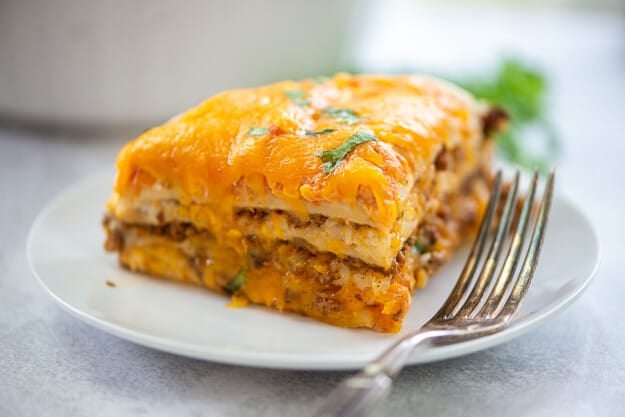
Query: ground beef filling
(450,221)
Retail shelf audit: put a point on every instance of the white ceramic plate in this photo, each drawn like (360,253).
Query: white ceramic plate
(65,252)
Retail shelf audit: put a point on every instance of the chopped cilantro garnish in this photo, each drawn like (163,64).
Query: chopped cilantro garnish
(236,282)
(257,131)
(297,97)
(419,247)
(319,132)
(332,157)
(346,116)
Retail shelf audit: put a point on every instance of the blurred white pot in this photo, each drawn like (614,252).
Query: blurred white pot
(77,61)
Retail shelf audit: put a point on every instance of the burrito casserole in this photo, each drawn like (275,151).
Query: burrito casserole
(333,198)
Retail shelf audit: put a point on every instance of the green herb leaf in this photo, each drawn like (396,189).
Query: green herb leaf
(521,91)
(346,116)
(332,157)
(297,97)
(519,88)
(236,282)
(257,131)
(419,247)
(319,132)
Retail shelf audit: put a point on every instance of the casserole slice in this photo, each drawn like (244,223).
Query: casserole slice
(331,198)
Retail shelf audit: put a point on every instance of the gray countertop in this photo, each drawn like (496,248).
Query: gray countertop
(574,365)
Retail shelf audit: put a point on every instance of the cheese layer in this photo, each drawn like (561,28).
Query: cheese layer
(260,147)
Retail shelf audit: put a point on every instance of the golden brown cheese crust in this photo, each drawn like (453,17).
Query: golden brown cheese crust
(207,154)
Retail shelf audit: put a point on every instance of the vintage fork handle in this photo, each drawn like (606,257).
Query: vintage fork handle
(357,395)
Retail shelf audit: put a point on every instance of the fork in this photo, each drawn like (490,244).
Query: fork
(478,305)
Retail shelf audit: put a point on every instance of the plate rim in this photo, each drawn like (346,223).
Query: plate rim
(285,360)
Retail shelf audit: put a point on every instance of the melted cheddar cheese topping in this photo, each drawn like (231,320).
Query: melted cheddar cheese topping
(265,142)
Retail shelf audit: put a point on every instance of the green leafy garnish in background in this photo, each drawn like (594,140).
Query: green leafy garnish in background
(346,116)
(236,282)
(521,91)
(257,131)
(297,97)
(319,132)
(332,157)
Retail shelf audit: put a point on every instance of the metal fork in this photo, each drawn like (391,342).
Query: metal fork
(478,305)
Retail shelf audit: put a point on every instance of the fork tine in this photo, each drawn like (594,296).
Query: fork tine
(512,257)
(488,268)
(465,280)
(531,259)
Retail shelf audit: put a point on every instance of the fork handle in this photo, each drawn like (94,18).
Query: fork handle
(356,396)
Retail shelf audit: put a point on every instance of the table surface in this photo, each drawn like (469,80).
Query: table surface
(574,365)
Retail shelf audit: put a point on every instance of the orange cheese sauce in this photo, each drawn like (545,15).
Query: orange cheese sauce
(204,152)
